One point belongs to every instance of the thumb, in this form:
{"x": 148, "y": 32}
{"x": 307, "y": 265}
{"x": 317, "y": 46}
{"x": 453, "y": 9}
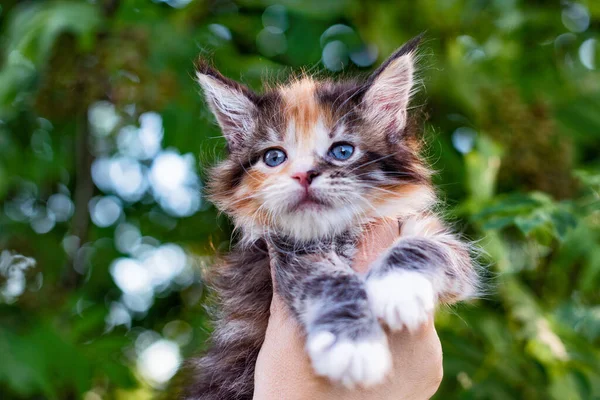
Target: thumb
{"x": 278, "y": 308}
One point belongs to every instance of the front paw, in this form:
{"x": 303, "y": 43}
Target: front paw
{"x": 402, "y": 299}
{"x": 352, "y": 362}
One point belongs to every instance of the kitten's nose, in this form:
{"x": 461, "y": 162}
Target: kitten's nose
{"x": 306, "y": 178}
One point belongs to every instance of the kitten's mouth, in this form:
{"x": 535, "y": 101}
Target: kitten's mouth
{"x": 309, "y": 201}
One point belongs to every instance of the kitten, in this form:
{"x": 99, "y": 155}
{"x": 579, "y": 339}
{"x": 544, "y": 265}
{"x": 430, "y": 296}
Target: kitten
{"x": 309, "y": 165}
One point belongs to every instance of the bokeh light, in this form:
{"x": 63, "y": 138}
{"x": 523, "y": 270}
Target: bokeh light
{"x": 365, "y": 55}
{"x": 220, "y": 31}
{"x": 13, "y": 268}
{"x": 127, "y": 178}
{"x": 103, "y": 118}
{"x": 275, "y": 17}
{"x": 144, "y": 142}
{"x": 105, "y": 210}
{"x": 131, "y": 276}
{"x": 158, "y": 362}
{"x": 127, "y": 238}
{"x": 43, "y": 221}
{"x": 335, "y": 55}
{"x": 178, "y": 331}
{"x": 588, "y": 53}
{"x": 576, "y": 17}
{"x": 271, "y": 41}
{"x": 463, "y": 139}
{"x": 175, "y": 184}
{"x": 61, "y": 207}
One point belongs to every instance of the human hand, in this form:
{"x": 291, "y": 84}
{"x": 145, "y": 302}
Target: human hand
{"x": 284, "y": 371}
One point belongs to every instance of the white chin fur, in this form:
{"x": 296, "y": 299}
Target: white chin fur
{"x": 312, "y": 224}
{"x": 306, "y": 225}
{"x": 402, "y": 299}
{"x": 352, "y": 363}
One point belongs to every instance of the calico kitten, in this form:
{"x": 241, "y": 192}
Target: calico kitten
{"x": 309, "y": 165}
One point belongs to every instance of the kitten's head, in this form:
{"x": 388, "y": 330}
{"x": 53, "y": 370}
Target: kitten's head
{"x": 311, "y": 158}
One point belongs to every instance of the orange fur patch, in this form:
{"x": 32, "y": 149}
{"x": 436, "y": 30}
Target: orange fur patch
{"x": 246, "y": 204}
{"x": 302, "y": 107}
{"x": 387, "y": 193}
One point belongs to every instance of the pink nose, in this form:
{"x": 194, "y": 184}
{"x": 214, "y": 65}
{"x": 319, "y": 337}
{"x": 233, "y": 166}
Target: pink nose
{"x": 306, "y": 178}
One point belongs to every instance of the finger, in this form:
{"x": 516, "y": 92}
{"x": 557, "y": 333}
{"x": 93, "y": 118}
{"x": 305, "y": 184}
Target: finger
{"x": 278, "y": 308}
{"x": 377, "y": 238}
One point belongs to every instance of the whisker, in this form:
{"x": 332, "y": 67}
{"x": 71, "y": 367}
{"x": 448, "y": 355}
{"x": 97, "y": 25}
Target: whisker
{"x": 371, "y": 162}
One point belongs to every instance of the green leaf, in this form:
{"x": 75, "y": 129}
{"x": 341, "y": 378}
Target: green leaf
{"x": 513, "y": 205}
{"x": 527, "y": 224}
{"x": 563, "y": 221}
{"x": 498, "y": 223}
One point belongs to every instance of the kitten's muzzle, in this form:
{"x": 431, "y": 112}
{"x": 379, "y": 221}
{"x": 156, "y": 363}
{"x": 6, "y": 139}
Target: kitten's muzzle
{"x": 306, "y": 178}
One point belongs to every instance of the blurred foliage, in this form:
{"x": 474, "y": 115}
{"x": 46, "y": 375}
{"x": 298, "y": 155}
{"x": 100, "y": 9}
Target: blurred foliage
{"x": 104, "y": 140}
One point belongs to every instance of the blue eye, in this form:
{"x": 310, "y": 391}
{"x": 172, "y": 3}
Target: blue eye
{"x": 274, "y": 157}
{"x": 341, "y": 151}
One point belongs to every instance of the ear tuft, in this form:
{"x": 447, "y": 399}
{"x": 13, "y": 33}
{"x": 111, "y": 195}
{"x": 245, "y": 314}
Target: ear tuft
{"x": 204, "y": 66}
{"x": 388, "y": 90}
{"x": 232, "y": 103}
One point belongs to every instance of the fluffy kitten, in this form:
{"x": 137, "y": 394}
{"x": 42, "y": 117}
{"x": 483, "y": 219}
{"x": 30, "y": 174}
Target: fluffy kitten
{"x": 309, "y": 165}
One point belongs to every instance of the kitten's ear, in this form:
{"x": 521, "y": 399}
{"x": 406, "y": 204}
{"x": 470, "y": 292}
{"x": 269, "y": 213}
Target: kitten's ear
{"x": 232, "y": 103}
{"x": 388, "y": 90}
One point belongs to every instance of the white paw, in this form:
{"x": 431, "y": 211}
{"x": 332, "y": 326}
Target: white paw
{"x": 363, "y": 362}
{"x": 402, "y": 299}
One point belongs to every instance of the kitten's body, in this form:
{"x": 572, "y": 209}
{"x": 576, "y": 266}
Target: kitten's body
{"x": 303, "y": 217}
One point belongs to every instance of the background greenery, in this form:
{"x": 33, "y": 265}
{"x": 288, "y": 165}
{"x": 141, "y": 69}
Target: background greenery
{"x": 104, "y": 139}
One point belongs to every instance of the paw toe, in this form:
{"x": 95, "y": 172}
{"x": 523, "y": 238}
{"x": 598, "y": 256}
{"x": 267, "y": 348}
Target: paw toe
{"x": 350, "y": 362}
{"x": 402, "y": 299}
